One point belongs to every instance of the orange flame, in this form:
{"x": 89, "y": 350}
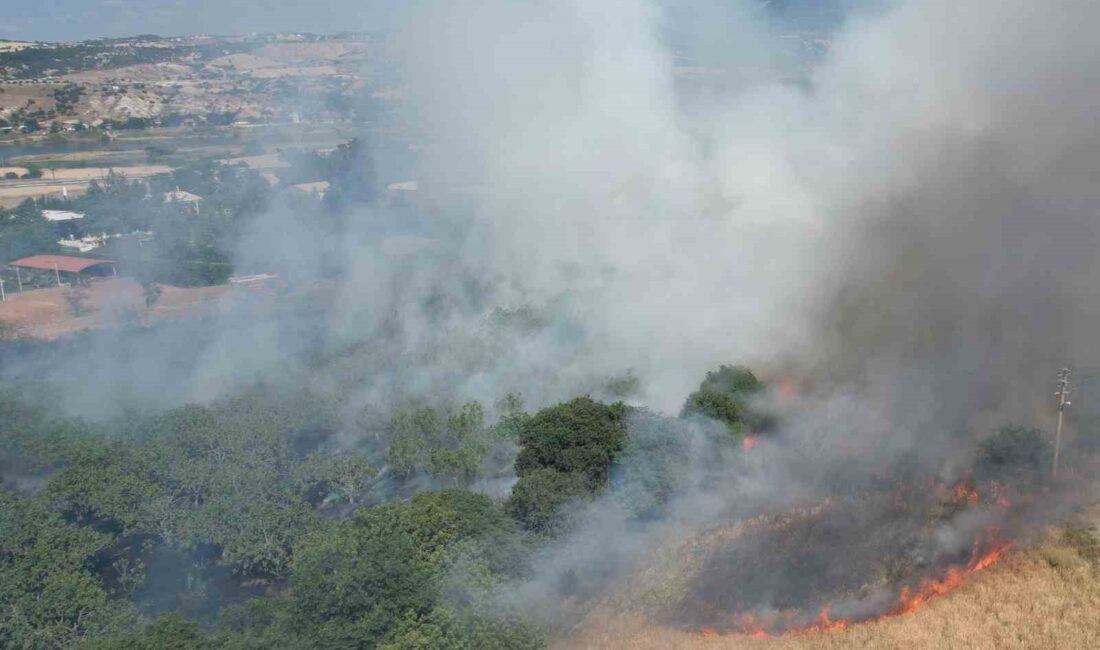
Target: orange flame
{"x": 909, "y": 600}
{"x": 963, "y": 492}
{"x": 787, "y": 389}
{"x": 748, "y": 442}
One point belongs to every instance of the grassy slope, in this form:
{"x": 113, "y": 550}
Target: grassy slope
{"x": 1043, "y": 598}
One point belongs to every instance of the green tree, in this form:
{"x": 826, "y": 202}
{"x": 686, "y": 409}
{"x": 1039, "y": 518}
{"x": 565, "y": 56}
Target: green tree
{"x": 445, "y": 629}
{"x": 450, "y": 446}
{"x": 582, "y": 436}
{"x": 151, "y": 291}
{"x": 566, "y": 454}
{"x": 169, "y": 632}
{"x": 48, "y": 596}
{"x": 347, "y": 474}
{"x": 537, "y": 499}
{"x": 24, "y": 231}
{"x": 365, "y": 578}
{"x": 1013, "y": 453}
{"x": 724, "y": 395}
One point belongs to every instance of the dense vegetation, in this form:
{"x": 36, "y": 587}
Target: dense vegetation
{"x": 726, "y": 395}
{"x": 272, "y": 519}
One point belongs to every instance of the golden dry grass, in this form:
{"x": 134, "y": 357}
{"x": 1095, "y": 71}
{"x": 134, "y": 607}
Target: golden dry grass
{"x": 1047, "y": 597}
{"x": 46, "y": 314}
{"x": 74, "y": 180}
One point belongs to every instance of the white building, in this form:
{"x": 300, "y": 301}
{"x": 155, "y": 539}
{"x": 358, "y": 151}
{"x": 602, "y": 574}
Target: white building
{"x": 61, "y": 215}
{"x": 84, "y": 244}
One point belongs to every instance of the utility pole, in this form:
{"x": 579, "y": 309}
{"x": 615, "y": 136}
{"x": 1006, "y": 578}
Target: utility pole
{"x": 1062, "y": 395}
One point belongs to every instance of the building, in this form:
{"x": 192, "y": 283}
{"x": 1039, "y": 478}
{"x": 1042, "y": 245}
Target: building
{"x": 61, "y": 215}
{"x": 84, "y": 244}
{"x": 183, "y": 197}
{"x": 82, "y": 267}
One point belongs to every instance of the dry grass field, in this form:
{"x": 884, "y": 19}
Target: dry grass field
{"x": 14, "y": 46}
{"x": 1048, "y": 597}
{"x": 47, "y": 314}
{"x": 13, "y": 196}
{"x": 92, "y": 173}
{"x": 74, "y": 180}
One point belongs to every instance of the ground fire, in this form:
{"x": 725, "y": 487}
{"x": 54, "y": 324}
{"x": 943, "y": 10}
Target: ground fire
{"x": 849, "y": 560}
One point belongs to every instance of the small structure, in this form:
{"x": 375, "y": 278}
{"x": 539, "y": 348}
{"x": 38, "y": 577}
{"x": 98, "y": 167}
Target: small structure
{"x": 61, "y": 215}
{"x": 320, "y": 187}
{"x": 403, "y": 186}
{"x": 254, "y": 282}
{"x": 79, "y": 245}
{"x": 84, "y": 244}
{"x": 181, "y": 196}
{"x": 85, "y": 267}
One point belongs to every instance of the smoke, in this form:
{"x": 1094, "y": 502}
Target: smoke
{"x": 898, "y": 205}
{"x": 905, "y": 217}
{"x": 913, "y": 204}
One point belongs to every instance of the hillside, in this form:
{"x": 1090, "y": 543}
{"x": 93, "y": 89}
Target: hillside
{"x": 151, "y": 81}
{"x": 1041, "y": 597}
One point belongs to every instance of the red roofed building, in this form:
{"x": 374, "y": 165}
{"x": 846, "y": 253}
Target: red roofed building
{"x": 85, "y": 266}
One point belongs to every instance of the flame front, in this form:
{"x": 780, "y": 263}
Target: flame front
{"x": 908, "y": 600}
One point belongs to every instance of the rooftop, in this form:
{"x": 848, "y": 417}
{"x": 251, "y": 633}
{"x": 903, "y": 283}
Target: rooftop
{"x": 61, "y": 215}
{"x": 59, "y": 262}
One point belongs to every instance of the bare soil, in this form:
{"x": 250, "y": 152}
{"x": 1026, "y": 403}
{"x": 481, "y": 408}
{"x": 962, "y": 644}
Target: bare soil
{"x": 48, "y": 314}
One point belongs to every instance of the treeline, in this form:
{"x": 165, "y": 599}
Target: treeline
{"x": 267, "y": 520}
{"x": 275, "y": 519}
{"x": 56, "y": 60}
{"x": 349, "y": 170}
{"x": 216, "y": 118}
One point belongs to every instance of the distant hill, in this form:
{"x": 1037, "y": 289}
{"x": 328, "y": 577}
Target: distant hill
{"x": 149, "y": 80}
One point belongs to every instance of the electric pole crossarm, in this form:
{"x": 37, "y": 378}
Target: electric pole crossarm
{"x": 1063, "y": 402}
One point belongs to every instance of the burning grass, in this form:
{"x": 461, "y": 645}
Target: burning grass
{"x": 920, "y": 566}
{"x": 845, "y": 561}
{"x": 1045, "y": 597}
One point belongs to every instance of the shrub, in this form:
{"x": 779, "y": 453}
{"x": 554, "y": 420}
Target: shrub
{"x": 724, "y": 396}
{"x": 538, "y": 497}
{"x": 1013, "y": 453}
{"x": 582, "y": 436}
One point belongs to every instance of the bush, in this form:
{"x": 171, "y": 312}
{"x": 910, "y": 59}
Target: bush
{"x": 724, "y": 395}
{"x": 537, "y": 499}
{"x": 354, "y": 584}
{"x": 1013, "y": 453}
{"x": 582, "y": 436}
